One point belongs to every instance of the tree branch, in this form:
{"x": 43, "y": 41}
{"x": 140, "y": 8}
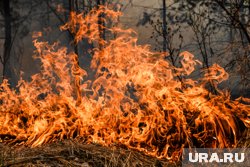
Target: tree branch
{"x": 242, "y": 27}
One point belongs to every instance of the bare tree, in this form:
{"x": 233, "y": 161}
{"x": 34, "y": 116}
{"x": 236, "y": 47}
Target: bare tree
{"x": 221, "y": 33}
{"x": 5, "y": 59}
{"x": 16, "y": 27}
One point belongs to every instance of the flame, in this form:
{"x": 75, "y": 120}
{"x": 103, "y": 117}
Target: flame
{"x": 135, "y": 99}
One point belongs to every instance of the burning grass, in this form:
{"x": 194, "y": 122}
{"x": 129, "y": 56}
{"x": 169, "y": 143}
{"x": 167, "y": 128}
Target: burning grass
{"x": 135, "y": 100}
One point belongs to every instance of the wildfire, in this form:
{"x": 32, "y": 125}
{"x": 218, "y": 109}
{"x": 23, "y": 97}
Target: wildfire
{"x": 135, "y": 99}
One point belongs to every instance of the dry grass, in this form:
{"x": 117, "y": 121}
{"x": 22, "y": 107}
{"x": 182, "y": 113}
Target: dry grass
{"x": 71, "y": 153}
{"x": 244, "y": 142}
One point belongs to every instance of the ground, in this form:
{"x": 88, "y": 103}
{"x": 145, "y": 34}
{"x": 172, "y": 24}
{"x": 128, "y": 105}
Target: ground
{"x": 72, "y": 153}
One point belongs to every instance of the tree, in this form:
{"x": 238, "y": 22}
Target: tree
{"x": 16, "y": 26}
{"x": 5, "y": 59}
{"x": 220, "y": 31}
{"x": 164, "y": 25}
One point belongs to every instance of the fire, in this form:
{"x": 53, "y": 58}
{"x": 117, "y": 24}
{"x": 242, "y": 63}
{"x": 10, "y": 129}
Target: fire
{"x": 135, "y": 99}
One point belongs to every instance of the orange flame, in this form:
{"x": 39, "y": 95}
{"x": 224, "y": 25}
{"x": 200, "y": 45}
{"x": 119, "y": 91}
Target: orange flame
{"x": 135, "y": 99}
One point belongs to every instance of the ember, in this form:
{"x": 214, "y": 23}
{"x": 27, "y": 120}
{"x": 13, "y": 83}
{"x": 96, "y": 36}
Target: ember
{"x": 135, "y": 99}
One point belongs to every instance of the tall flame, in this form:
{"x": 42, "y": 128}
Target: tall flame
{"x": 135, "y": 99}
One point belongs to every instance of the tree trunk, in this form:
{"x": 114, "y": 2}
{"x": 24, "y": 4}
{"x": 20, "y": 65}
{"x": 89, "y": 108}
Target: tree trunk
{"x": 72, "y": 9}
{"x": 7, "y": 66}
{"x": 164, "y": 26}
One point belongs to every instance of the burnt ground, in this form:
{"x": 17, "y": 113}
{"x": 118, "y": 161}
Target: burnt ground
{"x": 72, "y": 153}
